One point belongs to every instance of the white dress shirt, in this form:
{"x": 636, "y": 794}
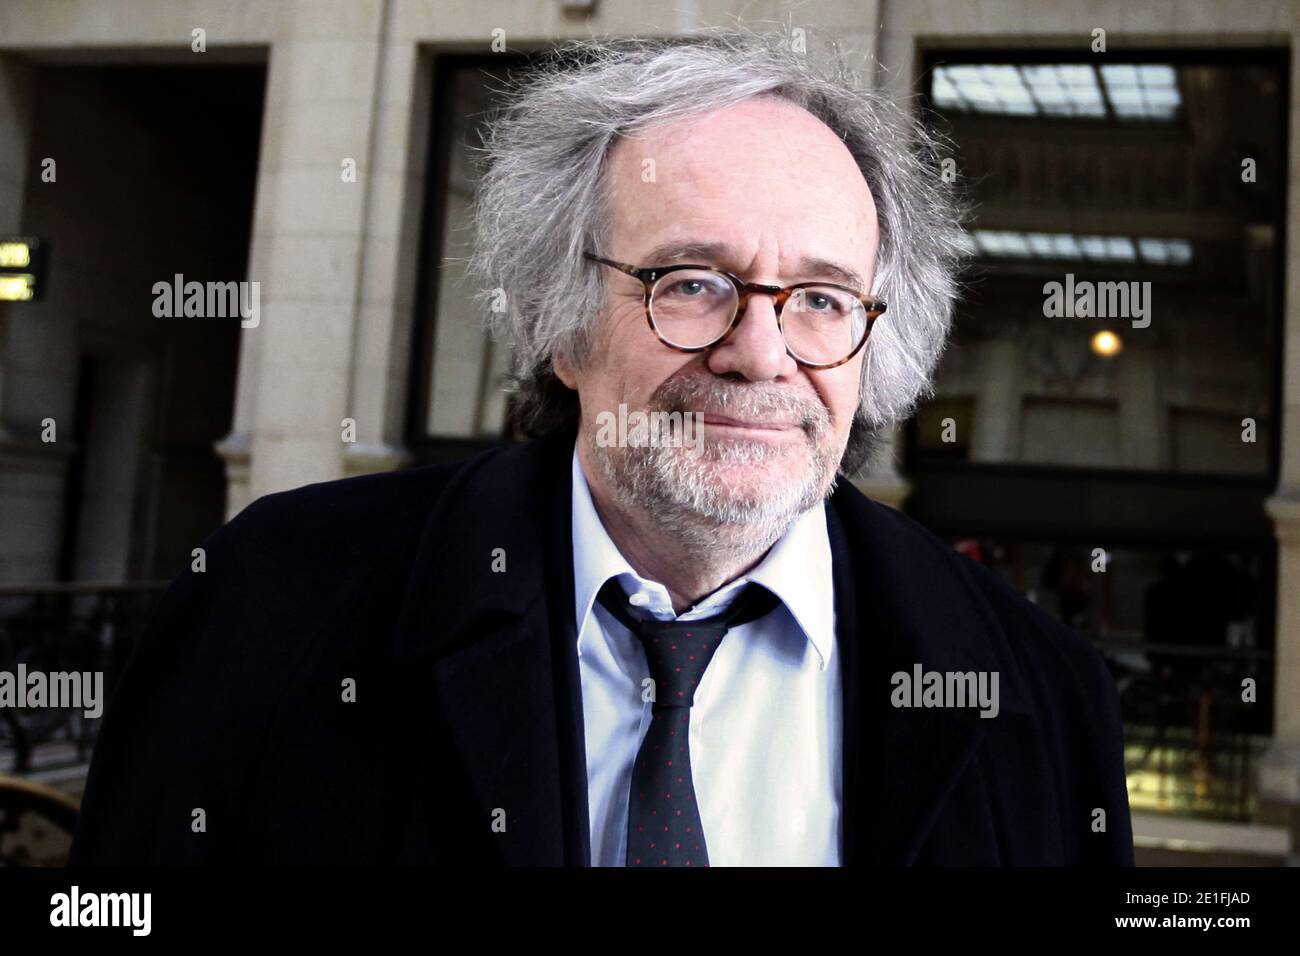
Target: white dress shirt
{"x": 765, "y": 730}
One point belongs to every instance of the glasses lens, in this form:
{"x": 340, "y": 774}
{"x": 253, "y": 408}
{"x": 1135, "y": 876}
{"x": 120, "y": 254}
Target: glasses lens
{"x": 823, "y": 324}
{"x": 692, "y": 307}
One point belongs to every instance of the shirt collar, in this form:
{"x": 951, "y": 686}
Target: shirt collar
{"x": 797, "y": 570}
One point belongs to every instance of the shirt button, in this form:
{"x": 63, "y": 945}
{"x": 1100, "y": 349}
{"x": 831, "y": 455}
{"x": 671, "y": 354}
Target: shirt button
{"x": 640, "y": 599}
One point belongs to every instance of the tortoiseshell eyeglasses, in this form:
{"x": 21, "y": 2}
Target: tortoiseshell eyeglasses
{"x": 692, "y": 308}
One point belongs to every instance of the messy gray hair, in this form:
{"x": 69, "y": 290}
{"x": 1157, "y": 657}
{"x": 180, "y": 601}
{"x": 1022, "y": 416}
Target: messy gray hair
{"x": 541, "y": 202}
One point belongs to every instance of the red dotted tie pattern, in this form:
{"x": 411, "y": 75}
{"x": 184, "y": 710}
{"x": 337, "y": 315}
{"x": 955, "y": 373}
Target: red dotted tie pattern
{"x": 663, "y": 826}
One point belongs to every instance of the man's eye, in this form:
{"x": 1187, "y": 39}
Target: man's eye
{"x": 818, "y": 303}
{"x": 692, "y": 288}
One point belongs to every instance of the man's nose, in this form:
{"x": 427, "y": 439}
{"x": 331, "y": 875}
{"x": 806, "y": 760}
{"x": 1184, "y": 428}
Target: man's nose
{"x": 755, "y": 349}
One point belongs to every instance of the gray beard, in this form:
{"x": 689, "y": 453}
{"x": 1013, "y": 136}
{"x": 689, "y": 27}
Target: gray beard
{"x": 680, "y": 495}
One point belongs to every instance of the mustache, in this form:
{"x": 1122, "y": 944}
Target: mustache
{"x": 753, "y": 401}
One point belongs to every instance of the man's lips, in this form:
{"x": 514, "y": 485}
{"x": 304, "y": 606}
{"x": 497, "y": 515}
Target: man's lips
{"x": 727, "y": 422}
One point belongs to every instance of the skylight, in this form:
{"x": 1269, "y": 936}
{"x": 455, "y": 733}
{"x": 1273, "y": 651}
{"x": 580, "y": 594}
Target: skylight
{"x": 1142, "y": 92}
{"x": 1006, "y": 244}
{"x": 1124, "y": 91}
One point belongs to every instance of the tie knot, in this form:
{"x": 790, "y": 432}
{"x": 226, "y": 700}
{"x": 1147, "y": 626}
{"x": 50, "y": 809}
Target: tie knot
{"x": 677, "y": 652}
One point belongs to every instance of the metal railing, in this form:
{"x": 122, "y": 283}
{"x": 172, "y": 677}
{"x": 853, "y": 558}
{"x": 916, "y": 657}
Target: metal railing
{"x": 66, "y": 627}
{"x": 1195, "y": 718}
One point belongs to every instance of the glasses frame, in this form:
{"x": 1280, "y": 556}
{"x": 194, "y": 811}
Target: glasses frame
{"x": 649, "y": 275}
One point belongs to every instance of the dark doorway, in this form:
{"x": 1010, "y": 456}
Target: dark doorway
{"x": 155, "y": 175}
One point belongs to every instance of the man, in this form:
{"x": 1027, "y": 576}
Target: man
{"x": 648, "y": 645}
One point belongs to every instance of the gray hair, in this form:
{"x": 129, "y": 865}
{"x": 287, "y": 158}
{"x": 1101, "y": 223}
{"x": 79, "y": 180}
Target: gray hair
{"x": 541, "y": 201}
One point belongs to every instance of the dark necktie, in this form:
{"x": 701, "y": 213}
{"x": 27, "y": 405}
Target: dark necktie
{"x": 663, "y": 821}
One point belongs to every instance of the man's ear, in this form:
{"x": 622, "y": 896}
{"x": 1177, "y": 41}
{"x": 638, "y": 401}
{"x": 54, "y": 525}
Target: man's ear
{"x": 565, "y": 371}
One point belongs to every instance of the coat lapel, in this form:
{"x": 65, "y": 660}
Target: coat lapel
{"x": 903, "y": 599}
{"x": 485, "y": 612}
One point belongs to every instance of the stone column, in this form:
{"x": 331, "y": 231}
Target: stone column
{"x": 1279, "y": 768}
{"x": 1279, "y": 771}
{"x": 317, "y": 176}
{"x": 880, "y": 478}
{"x": 390, "y": 259}
{"x": 1141, "y": 423}
{"x": 996, "y": 423}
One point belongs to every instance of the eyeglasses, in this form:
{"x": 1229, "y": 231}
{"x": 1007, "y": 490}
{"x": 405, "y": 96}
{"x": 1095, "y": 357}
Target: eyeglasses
{"x": 692, "y": 308}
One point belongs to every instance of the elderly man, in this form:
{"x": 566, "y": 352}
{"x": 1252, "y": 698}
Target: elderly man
{"x": 683, "y": 643}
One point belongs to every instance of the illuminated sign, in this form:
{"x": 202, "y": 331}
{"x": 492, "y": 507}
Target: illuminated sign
{"x": 17, "y": 288}
{"x": 15, "y": 255}
{"x": 22, "y": 268}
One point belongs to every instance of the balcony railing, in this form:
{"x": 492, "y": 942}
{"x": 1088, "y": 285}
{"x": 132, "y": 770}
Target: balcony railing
{"x": 66, "y": 627}
{"x": 1193, "y": 726}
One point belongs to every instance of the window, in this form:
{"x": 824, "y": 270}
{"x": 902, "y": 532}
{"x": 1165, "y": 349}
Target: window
{"x": 1103, "y": 428}
{"x": 457, "y": 404}
{"x": 1126, "y": 92}
{"x": 1126, "y": 249}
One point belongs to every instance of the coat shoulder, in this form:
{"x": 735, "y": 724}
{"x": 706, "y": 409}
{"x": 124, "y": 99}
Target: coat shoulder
{"x": 356, "y": 510}
{"x": 324, "y": 558}
{"x": 1033, "y": 630}
{"x": 349, "y": 517}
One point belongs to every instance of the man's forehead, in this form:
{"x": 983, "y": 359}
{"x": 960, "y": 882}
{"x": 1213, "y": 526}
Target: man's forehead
{"x": 760, "y": 165}
{"x": 756, "y": 140}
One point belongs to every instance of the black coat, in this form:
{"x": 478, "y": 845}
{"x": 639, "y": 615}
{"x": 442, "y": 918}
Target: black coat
{"x": 468, "y": 700}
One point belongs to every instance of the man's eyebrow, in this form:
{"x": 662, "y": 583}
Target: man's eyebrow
{"x": 841, "y": 274}
{"x": 809, "y": 267}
